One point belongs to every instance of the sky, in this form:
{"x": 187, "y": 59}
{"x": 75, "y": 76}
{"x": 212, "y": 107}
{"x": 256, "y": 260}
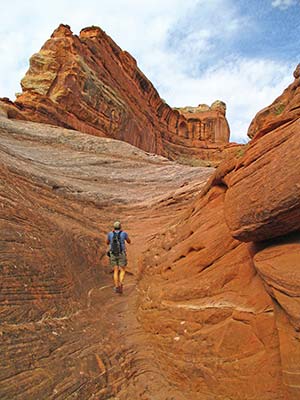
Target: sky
{"x": 242, "y": 52}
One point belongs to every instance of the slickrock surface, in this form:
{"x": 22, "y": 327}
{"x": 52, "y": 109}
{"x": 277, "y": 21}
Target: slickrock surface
{"x": 64, "y": 333}
{"x": 211, "y": 303}
{"x": 278, "y": 264}
{"x": 88, "y": 83}
{"x": 225, "y": 313}
{"x": 206, "y": 308}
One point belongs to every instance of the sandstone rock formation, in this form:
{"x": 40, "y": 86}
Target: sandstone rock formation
{"x": 212, "y": 297}
{"x": 285, "y": 109}
{"x": 60, "y": 327}
{"x": 89, "y": 84}
{"x": 207, "y": 123}
{"x": 278, "y": 265}
{"x": 205, "y": 305}
{"x": 224, "y": 313}
{"x": 263, "y": 196}
{"x": 211, "y": 308}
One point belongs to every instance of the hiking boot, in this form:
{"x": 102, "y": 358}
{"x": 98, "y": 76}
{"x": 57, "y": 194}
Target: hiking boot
{"x": 116, "y": 289}
{"x": 120, "y": 288}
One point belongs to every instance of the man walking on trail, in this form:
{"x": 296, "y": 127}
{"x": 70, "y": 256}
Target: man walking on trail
{"x": 118, "y": 260}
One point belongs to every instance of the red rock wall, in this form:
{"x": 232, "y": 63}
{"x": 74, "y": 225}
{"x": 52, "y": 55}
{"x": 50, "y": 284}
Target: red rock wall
{"x": 212, "y": 321}
{"x": 89, "y": 84}
{"x": 220, "y": 289}
{"x": 263, "y": 196}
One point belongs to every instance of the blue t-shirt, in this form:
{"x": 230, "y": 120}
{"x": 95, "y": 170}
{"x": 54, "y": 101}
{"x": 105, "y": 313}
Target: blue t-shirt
{"x": 123, "y": 237}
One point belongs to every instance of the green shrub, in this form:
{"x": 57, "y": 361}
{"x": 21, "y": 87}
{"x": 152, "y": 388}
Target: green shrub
{"x": 279, "y": 109}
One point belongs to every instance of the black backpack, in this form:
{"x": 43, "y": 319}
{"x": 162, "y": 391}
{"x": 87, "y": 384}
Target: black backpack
{"x": 115, "y": 246}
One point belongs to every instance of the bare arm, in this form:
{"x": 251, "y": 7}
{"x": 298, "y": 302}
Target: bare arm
{"x": 128, "y": 239}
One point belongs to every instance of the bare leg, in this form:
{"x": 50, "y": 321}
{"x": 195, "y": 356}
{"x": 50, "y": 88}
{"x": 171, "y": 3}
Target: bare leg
{"x": 122, "y": 275}
{"x": 116, "y": 276}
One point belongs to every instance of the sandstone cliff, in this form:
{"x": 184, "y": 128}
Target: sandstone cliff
{"x": 222, "y": 298}
{"x": 89, "y": 84}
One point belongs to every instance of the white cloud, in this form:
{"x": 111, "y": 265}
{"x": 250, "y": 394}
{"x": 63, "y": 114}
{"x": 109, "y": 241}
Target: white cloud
{"x": 245, "y": 85}
{"x": 177, "y": 45}
{"x": 25, "y": 26}
{"x": 283, "y": 4}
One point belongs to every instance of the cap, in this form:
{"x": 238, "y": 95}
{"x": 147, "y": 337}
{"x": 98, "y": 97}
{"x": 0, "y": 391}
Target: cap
{"x": 117, "y": 225}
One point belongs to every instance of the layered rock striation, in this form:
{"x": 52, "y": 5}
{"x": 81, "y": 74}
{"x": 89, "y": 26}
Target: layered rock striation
{"x": 90, "y": 84}
{"x": 212, "y": 296}
{"x": 61, "y": 323}
{"x": 220, "y": 293}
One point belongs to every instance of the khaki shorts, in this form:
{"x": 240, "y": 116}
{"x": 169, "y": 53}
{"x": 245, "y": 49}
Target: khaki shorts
{"x": 120, "y": 261}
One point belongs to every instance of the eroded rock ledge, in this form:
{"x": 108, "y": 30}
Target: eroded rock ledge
{"x": 222, "y": 298}
{"x": 90, "y": 84}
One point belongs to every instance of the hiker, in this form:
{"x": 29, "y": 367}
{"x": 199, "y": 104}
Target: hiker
{"x": 117, "y": 253}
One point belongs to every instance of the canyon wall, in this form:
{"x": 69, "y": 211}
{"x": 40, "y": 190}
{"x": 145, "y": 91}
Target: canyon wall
{"x": 220, "y": 284}
{"x": 211, "y": 299}
{"x": 88, "y": 83}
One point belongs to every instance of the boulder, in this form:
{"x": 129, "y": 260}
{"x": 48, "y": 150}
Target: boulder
{"x": 263, "y": 196}
{"x": 278, "y": 265}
